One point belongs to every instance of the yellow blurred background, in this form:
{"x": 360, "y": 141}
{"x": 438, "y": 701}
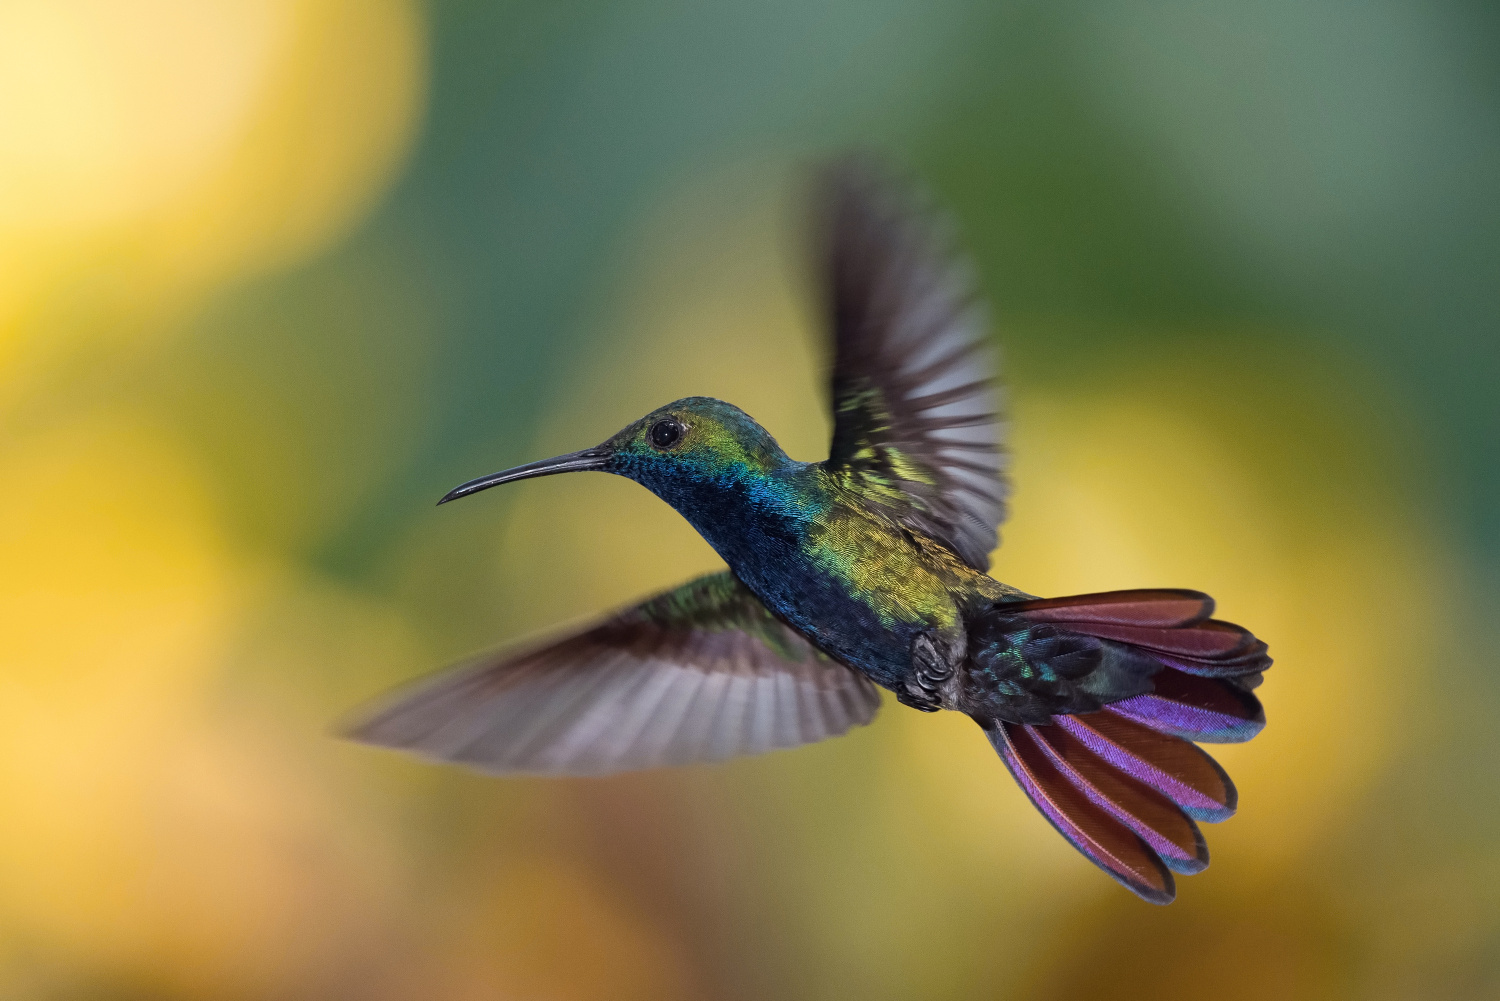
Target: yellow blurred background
{"x": 274, "y": 274}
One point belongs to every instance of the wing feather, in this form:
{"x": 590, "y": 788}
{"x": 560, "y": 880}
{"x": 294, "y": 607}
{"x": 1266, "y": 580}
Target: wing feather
{"x": 701, "y": 673}
{"x": 916, "y": 406}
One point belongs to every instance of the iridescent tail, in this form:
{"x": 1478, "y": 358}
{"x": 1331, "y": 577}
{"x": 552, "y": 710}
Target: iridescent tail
{"x": 1126, "y": 784}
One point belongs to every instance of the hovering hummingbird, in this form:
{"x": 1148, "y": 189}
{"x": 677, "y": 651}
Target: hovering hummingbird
{"x": 869, "y": 569}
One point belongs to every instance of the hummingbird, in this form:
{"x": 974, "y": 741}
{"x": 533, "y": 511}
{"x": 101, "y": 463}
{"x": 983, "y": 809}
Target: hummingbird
{"x": 864, "y": 571}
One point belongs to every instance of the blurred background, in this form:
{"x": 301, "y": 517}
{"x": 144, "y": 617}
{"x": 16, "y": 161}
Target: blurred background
{"x": 275, "y": 274}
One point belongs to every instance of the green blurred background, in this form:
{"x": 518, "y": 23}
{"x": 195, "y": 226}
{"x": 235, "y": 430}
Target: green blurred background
{"x": 274, "y": 274}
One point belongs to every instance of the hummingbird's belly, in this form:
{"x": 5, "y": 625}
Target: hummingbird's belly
{"x": 861, "y": 599}
{"x": 838, "y": 623}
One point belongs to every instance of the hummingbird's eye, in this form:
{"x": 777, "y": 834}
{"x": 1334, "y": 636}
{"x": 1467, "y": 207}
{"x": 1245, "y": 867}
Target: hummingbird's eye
{"x": 665, "y": 433}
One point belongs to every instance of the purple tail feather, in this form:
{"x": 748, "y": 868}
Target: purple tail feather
{"x": 1126, "y": 785}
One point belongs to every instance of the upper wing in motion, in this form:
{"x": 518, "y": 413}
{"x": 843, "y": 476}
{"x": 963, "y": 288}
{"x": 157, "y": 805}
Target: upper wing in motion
{"x": 700, "y": 673}
{"x": 916, "y": 423}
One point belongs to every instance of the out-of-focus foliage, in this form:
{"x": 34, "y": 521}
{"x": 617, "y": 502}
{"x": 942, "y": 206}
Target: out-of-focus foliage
{"x": 274, "y": 274}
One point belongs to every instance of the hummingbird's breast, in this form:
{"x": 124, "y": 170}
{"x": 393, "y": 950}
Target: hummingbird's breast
{"x": 853, "y": 581}
{"x": 861, "y": 588}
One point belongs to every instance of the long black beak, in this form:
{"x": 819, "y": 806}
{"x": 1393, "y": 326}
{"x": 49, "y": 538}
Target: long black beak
{"x": 589, "y": 458}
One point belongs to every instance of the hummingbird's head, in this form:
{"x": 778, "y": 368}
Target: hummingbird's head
{"x": 676, "y": 451}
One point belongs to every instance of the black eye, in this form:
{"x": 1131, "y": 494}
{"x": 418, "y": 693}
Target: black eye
{"x": 665, "y": 433}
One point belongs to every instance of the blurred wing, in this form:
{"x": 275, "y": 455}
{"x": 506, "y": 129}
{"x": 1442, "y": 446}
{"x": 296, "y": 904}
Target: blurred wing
{"x": 697, "y": 674}
{"x": 916, "y": 424}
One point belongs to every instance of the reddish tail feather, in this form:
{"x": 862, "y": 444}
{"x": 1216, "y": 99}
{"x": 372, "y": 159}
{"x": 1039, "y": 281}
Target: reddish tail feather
{"x": 1125, "y": 785}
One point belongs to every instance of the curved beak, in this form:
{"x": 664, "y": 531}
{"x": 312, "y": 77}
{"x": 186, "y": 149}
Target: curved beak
{"x": 589, "y": 458}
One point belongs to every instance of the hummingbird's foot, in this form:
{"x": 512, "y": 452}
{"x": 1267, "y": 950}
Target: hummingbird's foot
{"x": 907, "y": 699}
{"x": 931, "y": 674}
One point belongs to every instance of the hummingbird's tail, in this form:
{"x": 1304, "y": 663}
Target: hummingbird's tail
{"x": 1125, "y": 784}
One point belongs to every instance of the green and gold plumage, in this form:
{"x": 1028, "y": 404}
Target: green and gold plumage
{"x": 866, "y": 569}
